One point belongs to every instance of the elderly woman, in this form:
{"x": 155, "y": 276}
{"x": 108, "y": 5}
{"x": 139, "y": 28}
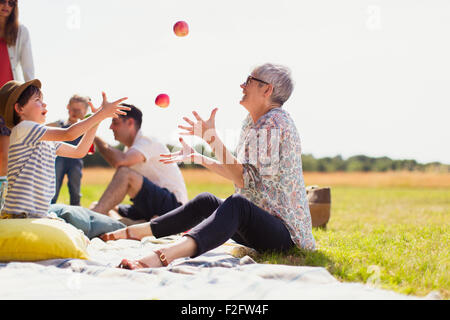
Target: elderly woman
{"x": 269, "y": 210}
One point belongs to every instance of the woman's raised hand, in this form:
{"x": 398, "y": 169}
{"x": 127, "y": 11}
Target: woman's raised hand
{"x": 201, "y": 128}
{"x": 187, "y": 153}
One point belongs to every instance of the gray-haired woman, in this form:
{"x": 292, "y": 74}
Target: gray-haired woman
{"x": 269, "y": 210}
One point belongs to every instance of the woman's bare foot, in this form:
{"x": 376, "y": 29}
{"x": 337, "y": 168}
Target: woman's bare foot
{"x": 134, "y": 232}
{"x": 150, "y": 261}
{"x": 131, "y": 264}
{"x": 185, "y": 247}
{"x": 115, "y": 235}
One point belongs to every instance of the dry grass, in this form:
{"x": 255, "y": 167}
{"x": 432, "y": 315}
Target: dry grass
{"x": 380, "y": 179}
{"x": 96, "y": 176}
{"x": 104, "y": 175}
{"x": 350, "y": 179}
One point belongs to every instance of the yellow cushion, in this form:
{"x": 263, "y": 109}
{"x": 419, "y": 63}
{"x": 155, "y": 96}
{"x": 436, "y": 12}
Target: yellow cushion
{"x": 40, "y": 239}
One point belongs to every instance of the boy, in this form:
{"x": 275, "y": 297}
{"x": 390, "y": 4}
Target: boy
{"x": 77, "y": 109}
{"x": 34, "y": 147}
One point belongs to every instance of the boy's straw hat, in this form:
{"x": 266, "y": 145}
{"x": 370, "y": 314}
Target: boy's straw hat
{"x": 9, "y": 94}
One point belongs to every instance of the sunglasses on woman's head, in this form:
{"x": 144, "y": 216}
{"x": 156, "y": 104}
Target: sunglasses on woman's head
{"x": 249, "y": 78}
{"x": 11, "y": 3}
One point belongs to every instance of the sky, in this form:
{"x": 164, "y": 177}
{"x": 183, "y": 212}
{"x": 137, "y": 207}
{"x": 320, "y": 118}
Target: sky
{"x": 371, "y": 77}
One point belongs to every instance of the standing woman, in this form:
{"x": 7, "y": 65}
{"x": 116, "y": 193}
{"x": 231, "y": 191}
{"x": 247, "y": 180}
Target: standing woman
{"x": 15, "y": 51}
{"x": 269, "y": 210}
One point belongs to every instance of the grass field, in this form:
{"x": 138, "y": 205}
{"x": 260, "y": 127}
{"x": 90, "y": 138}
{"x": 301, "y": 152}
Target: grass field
{"x": 391, "y": 230}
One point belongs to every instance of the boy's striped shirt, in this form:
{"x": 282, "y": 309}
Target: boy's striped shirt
{"x": 31, "y": 171}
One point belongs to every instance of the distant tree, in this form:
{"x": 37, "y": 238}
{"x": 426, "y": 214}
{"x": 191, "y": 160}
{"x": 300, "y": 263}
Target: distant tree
{"x": 355, "y": 165}
{"x": 309, "y": 163}
{"x": 359, "y": 163}
{"x": 382, "y": 164}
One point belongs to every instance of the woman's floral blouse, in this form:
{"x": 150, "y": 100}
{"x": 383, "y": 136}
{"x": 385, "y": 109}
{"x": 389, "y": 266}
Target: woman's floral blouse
{"x": 273, "y": 178}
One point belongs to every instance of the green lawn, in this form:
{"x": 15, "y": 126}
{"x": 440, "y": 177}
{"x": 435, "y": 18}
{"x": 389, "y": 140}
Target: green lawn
{"x": 391, "y": 237}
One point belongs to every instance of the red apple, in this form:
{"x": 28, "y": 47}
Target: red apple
{"x": 181, "y": 29}
{"x": 162, "y": 100}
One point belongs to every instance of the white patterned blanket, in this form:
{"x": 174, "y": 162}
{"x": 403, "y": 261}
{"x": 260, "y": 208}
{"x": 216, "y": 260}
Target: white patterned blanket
{"x": 219, "y": 274}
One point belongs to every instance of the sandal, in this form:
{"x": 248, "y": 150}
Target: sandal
{"x": 130, "y": 237}
{"x": 107, "y": 237}
{"x": 162, "y": 257}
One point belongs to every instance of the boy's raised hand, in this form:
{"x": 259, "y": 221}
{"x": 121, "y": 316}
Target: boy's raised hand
{"x": 113, "y": 109}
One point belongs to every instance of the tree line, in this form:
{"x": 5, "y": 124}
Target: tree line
{"x": 362, "y": 163}
{"x": 358, "y": 163}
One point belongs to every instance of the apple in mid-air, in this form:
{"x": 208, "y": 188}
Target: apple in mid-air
{"x": 181, "y": 29}
{"x": 162, "y": 100}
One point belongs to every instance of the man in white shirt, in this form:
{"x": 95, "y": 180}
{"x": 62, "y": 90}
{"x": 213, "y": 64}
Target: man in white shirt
{"x": 153, "y": 187}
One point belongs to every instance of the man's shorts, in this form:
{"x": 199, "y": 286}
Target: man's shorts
{"x": 151, "y": 200}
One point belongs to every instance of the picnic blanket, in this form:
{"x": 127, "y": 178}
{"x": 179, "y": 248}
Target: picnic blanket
{"x": 226, "y": 273}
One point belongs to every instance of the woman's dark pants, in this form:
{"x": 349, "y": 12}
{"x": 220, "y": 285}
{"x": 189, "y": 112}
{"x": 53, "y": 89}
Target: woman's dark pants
{"x": 213, "y": 221}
